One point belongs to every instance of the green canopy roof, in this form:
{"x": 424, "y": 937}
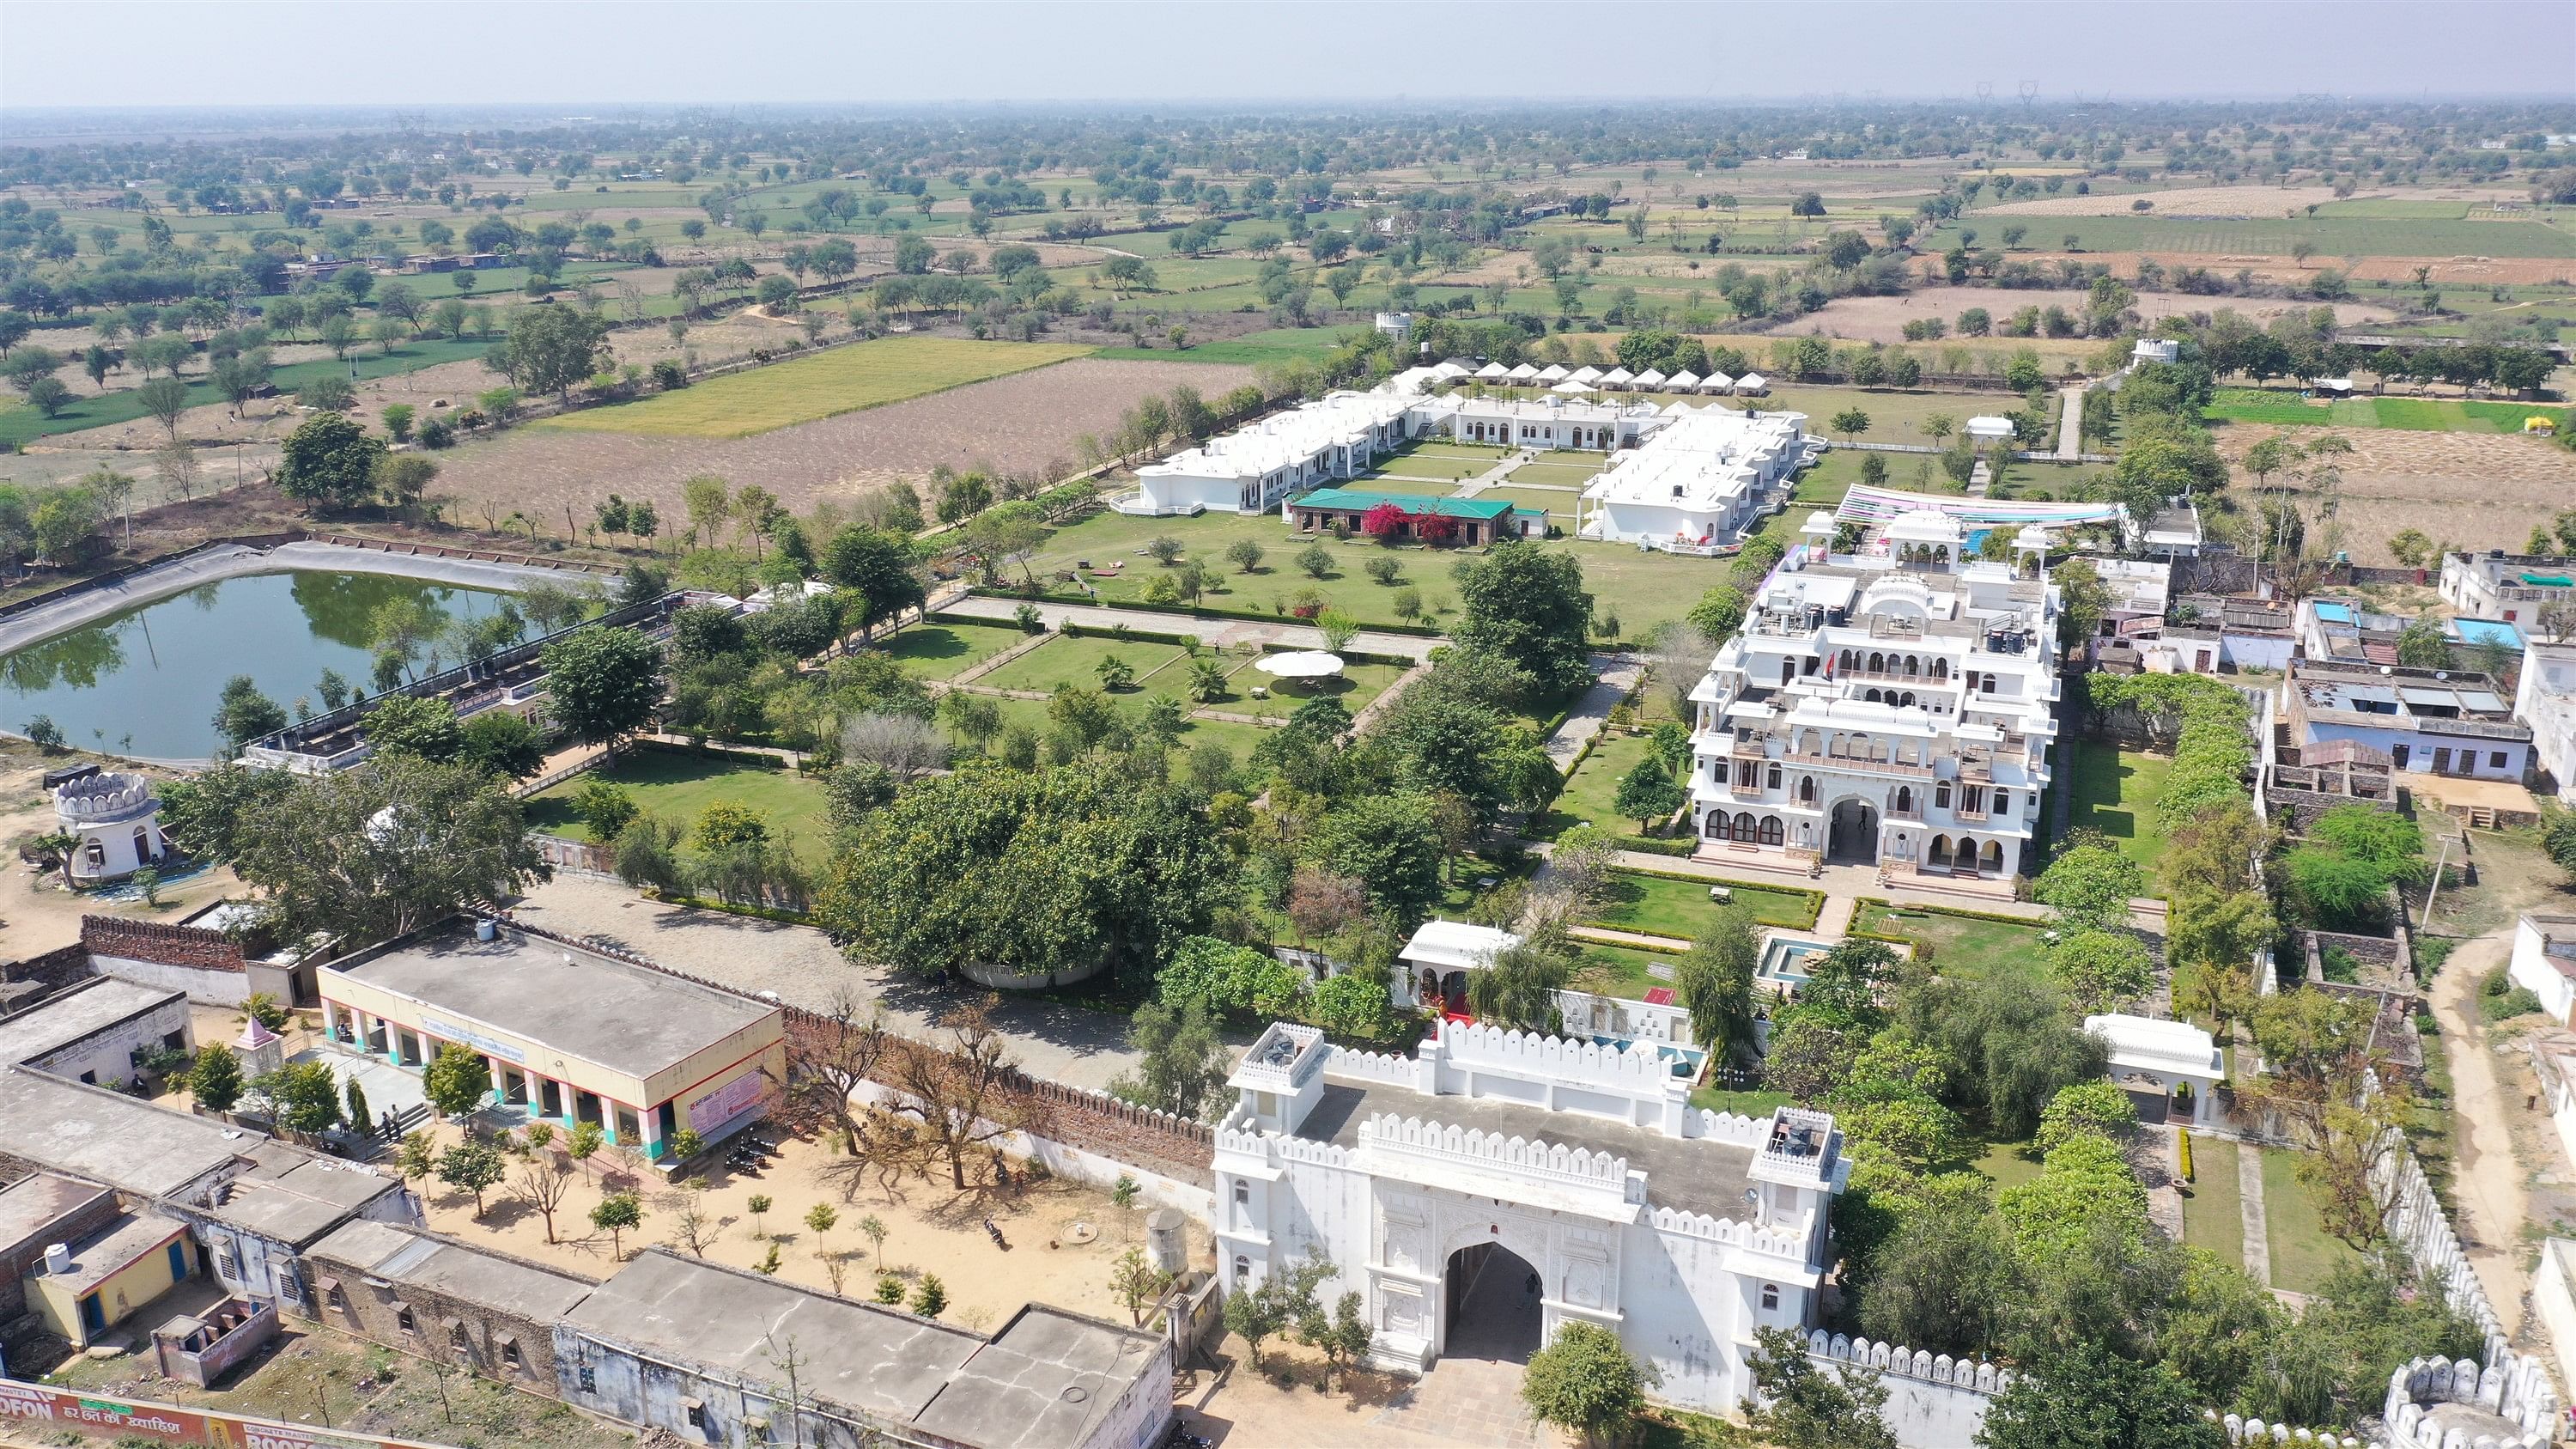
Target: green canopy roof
{"x": 1353, "y": 500}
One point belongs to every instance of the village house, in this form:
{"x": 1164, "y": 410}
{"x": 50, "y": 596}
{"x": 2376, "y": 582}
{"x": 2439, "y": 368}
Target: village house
{"x": 1496, "y": 1186}
{"x": 2544, "y": 700}
{"x": 2514, "y": 587}
{"x": 1890, "y": 708}
{"x": 569, "y": 1034}
{"x": 2427, "y": 721}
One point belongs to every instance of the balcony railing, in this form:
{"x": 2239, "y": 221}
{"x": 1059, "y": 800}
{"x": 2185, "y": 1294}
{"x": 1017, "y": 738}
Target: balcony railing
{"x": 1968, "y": 812}
{"x": 1907, "y": 812}
{"x": 1859, "y": 762}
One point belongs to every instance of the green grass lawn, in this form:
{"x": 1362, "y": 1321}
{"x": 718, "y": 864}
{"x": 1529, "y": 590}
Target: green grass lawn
{"x": 1742, "y": 1104}
{"x": 1643, "y": 589}
{"x": 1559, "y": 507}
{"x": 1421, "y": 463}
{"x": 1361, "y": 681}
{"x": 1666, "y": 906}
{"x": 1564, "y": 475}
{"x": 1621, "y": 971}
{"x": 2303, "y": 1255}
{"x": 844, "y": 379}
{"x": 679, "y": 786}
{"x": 2407, "y": 414}
{"x": 1063, "y": 660}
{"x": 1409, "y": 487}
{"x": 1590, "y": 792}
{"x": 2115, "y": 793}
{"x": 2007, "y": 1164}
{"x": 946, "y": 650}
{"x": 2213, "y": 1216}
{"x": 1961, "y": 945}
{"x": 1238, "y": 739}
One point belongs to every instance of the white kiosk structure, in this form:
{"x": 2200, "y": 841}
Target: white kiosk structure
{"x": 2178, "y": 1058}
{"x": 118, "y": 823}
{"x": 1496, "y": 1185}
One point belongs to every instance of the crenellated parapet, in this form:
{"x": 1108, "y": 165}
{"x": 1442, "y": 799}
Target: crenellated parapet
{"x": 1519, "y": 1156}
{"x": 1779, "y": 1242}
{"x": 1974, "y": 1375}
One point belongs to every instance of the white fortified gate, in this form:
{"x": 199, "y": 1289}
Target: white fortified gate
{"x": 1497, "y": 1185}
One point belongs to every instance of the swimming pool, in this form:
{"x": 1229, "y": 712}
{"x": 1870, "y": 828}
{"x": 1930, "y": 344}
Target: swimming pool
{"x": 1784, "y": 961}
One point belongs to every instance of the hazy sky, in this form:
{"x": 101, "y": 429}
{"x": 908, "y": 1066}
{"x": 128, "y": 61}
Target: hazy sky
{"x": 394, "y": 52}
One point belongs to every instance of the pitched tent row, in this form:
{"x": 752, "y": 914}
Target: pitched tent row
{"x": 1557, "y": 378}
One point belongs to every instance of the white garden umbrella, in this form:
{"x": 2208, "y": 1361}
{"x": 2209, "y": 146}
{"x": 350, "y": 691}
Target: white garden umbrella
{"x": 1300, "y": 664}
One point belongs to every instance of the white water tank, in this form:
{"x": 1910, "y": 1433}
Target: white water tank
{"x": 1167, "y": 1239}
{"x": 58, "y": 1259}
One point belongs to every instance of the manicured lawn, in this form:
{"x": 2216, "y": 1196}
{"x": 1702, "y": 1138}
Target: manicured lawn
{"x": 2115, "y": 793}
{"x": 1414, "y": 487}
{"x": 1566, "y": 475}
{"x": 2008, "y": 1164}
{"x": 844, "y": 379}
{"x": 1643, "y": 589}
{"x": 2213, "y": 1216}
{"x": 1622, "y": 971}
{"x": 1360, "y": 683}
{"x": 1422, "y": 463}
{"x": 946, "y": 650}
{"x": 1590, "y": 792}
{"x": 2303, "y": 1256}
{"x": 1666, "y": 906}
{"x": 1742, "y": 1104}
{"x": 1238, "y": 739}
{"x": 1961, "y": 945}
{"x": 679, "y": 786}
{"x": 1063, "y": 660}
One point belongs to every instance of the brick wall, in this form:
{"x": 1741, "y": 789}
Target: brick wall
{"x": 436, "y": 1318}
{"x": 79, "y": 1223}
{"x": 53, "y": 970}
{"x": 160, "y": 943}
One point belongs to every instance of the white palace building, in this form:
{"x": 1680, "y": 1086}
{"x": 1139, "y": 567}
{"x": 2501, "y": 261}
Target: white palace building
{"x": 1887, "y": 708}
{"x": 1689, "y": 479}
{"x": 1496, "y": 1185}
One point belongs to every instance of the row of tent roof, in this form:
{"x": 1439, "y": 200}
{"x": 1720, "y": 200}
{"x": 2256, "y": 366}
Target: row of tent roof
{"x": 1593, "y": 379}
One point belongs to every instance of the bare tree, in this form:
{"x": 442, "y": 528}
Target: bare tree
{"x": 1677, "y": 658}
{"x": 967, "y": 1094}
{"x": 176, "y": 466}
{"x": 834, "y": 1064}
{"x": 907, "y": 747}
{"x": 693, "y": 1227}
{"x": 541, "y": 1183}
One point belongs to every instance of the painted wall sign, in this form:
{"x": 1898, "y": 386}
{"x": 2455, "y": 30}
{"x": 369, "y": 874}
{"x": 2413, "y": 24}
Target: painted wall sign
{"x": 468, "y": 1036}
{"x": 164, "y": 1423}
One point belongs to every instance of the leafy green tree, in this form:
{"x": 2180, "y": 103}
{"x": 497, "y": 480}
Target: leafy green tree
{"x": 2420, "y": 645}
{"x": 1526, "y": 604}
{"x": 1715, "y": 982}
{"x": 1518, "y": 990}
{"x": 1719, "y": 612}
{"x": 601, "y": 683}
{"x": 2091, "y": 885}
{"x": 1284, "y": 1296}
{"x": 930, "y": 1296}
{"x": 1392, "y": 844}
{"x": 1648, "y": 794}
{"x": 215, "y": 1078}
{"x": 329, "y": 461}
{"x": 406, "y": 725}
{"x": 1219, "y": 977}
{"x": 503, "y": 743}
{"x": 457, "y": 1081}
{"x": 878, "y": 567}
{"x": 1803, "y": 1405}
{"x": 305, "y": 1096}
{"x": 243, "y": 713}
{"x": 1585, "y": 1381}
{"x": 617, "y": 1214}
{"x": 2099, "y": 1108}
{"x": 551, "y": 349}
{"x": 1181, "y": 1063}
{"x": 2101, "y": 970}
{"x": 384, "y": 847}
{"x": 1316, "y": 560}
{"x": 2089, "y": 1397}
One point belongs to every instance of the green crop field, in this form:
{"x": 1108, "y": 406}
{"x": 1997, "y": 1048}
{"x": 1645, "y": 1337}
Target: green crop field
{"x": 2410, "y": 414}
{"x": 1249, "y": 350}
{"x": 845, "y": 379}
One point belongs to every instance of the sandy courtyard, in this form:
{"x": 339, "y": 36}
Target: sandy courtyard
{"x": 1016, "y": 423}
{"x": 930, "y": 1231}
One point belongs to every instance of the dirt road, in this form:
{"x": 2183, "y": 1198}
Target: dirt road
{"x": 2488, "y": 1183}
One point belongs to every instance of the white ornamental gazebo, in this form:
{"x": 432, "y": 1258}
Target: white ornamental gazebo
{"x": 2173, "y": 1055}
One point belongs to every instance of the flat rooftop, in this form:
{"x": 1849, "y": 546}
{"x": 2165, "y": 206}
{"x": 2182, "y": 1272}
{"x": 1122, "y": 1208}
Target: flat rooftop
{"x": 486, "y": 1280}
{"x": 1688, "y": 1174}
{"x": 112, "y": 1138}
{"x": 31, "y": 1206}
{"x": 85, "y": 1010}
{"x": 295, "y": 1197}
{"x": 129, "y": 1237}
{"x": 878, "y": 1361}
{"x": 628, "y": 1019}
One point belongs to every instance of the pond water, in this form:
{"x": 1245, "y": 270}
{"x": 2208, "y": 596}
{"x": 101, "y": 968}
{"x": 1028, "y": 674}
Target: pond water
{"x": 144, "y": 682}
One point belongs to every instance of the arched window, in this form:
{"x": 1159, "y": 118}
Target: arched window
{"x": 1714, "y": 827}
{"x": 1940, "y": 856}
{"x": 1774, "y": 776}
{"x": 1869, "y": 695}
{"x": 1941, "y": 794}
{"x": 1913, "y": 666}
{"x": 1242, "y": 1270}
{"x": 1878, "y": 664}
{"x": 1905, "y": 798}
{"x": 1907, "y": 699}
{"x": 1994, "y": 855}
{"x": 1807, "y": 790}
{"x": 1770, "y": 1297}
{"x": 1744, "y": 827}
{"x": 1772, "y": 833}
{"x": 1940, "y": 669}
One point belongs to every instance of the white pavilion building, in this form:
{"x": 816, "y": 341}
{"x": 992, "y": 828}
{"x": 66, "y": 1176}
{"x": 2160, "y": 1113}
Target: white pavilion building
{"x": 1697, "y": 483}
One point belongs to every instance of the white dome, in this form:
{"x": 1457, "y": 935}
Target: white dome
{"x": 2032, "y": 536}
{"x": 1925, "y": 525}
{"x": 1819, "y": 522}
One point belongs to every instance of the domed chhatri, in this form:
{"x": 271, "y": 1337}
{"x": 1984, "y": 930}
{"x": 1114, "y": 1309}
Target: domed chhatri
{"x": 116, "y": 818}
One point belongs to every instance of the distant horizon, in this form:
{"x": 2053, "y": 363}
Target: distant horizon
{"x": 1038, "y": 55}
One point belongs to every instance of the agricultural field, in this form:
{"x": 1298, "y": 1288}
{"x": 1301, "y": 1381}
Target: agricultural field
{"x": 2332, "y": 237}
{"x": 2470, "y": 490}
{"x": 1883, "y": 319}
{"x": 2413, "y": 414}
{"x": 844, "y": 379}
{"x": 1024, "y": 422}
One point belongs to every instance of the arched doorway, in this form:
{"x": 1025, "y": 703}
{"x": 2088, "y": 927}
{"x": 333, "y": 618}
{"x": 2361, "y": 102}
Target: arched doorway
{"x": 1853, "y": 832}
{"x": 1492, "y": 1296}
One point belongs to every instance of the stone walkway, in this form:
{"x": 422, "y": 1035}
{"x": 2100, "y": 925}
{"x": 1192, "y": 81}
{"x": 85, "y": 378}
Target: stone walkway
{"x": 1495, "y": 476}
{"x": 1615, "y": 678}
{"x": 1467, "y": 1401}
{"x": 2249, "y": 1191}
{"x": 2070, "y": 425}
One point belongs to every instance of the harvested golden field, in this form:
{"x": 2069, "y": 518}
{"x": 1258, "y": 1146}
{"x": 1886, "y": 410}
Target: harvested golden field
{"x": 1020, "y": 423}
{"x": 2471, "y": 490}
{"x": 844, "y": 379}
{"x": 2182, "y": 201}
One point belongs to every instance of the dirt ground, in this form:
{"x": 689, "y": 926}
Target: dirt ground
{"x": 932, "y": 1230}
{"x": 2232, "y": 200}
{"x": 37, "y": 914}
{"x": 1883, "y": 319}
{"x": 2472, "y": 490}
{"x": 1016, "y": 423}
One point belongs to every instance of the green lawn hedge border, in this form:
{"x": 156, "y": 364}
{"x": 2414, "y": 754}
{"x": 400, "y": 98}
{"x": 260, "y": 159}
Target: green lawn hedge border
{"x": 1050, "y": 596}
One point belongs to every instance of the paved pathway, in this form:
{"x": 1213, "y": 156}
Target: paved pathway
{"x": 1615, "y": 678}
{"x": 1208, "y": 629}
{"x": 1061, "y": 1043}
{"x": 2487, "y": 1184}
{"x": 2249, "y": 1191}
{"x": 1468, "y": 1401}
{"x": 1498, "y": 474}
{"x": 2070, "y": 426}
{"x": 1610, "y": 937}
